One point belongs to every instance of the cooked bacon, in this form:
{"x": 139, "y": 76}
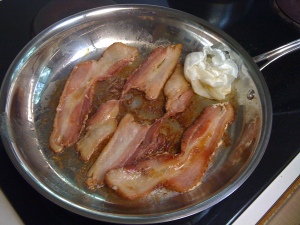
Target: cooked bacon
{"x": 181, "y": 172}
{"x": 201, "y": 140}
{"x": 99, "y": 127}
{"x": 76, "y": 100}
{"x": 117, "y": 152}
{"x": 178, "y": 92}
{"x": 152, "y": 74}
{"x": 151, "y": 141}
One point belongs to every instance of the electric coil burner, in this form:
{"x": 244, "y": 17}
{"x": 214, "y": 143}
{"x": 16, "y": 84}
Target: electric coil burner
{"x": 289, "y": 10}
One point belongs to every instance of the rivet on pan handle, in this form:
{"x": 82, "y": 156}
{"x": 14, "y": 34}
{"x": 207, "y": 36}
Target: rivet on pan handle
{"x": 272, "y": 55}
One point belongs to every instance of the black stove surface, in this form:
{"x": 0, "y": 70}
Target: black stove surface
{"x": 259, "y": 30}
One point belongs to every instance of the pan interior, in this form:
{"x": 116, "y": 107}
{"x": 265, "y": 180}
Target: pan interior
{"x": 35, "y": 82}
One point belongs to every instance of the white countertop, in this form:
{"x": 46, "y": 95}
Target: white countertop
{"x": 270, "y": 197}
{"x": 8, "y": 215}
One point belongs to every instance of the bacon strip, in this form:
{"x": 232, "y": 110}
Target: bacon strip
{"x": 151, "y": 141}
{"x": 117, "y": 152}
{"x": 178, "y": 92}
{"x": 152, "y": 74}
{"x": 181, "y": 172}
{"x": 76, "y": 100}
{"x": 99, "y": 127}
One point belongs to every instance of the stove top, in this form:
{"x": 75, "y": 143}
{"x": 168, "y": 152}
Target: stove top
{"x": 258, "y": 29}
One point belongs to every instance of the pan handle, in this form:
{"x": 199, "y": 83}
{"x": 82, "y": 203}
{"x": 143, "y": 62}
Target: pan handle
{"x": 270, "y": 56}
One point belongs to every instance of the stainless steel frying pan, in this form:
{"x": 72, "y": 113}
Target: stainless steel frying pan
{"x": 32, "y": 86}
